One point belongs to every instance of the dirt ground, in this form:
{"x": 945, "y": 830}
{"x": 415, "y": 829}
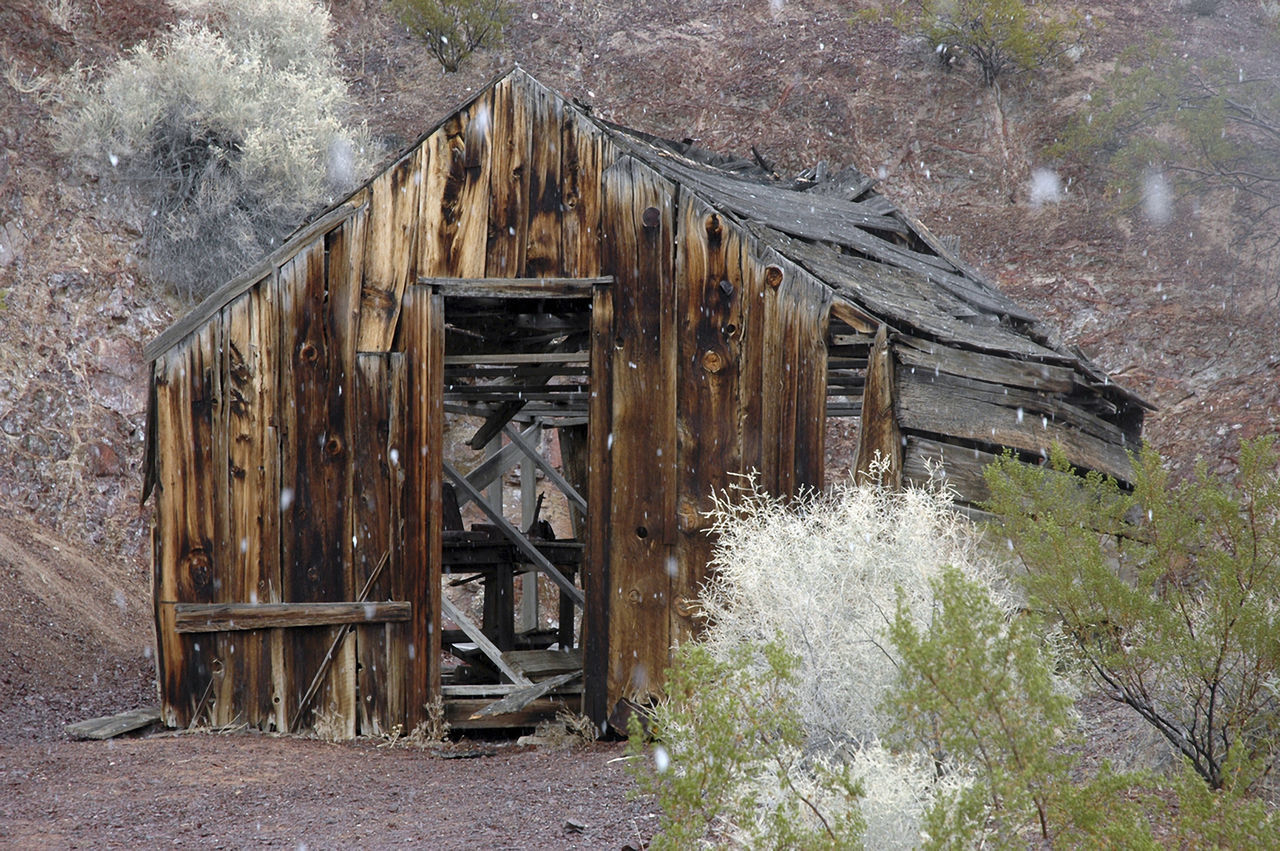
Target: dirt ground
{"x": 236, "y": 791}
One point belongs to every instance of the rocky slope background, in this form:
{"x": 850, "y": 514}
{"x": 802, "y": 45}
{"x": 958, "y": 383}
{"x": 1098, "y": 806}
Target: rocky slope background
{"x": 1185, "y": 312}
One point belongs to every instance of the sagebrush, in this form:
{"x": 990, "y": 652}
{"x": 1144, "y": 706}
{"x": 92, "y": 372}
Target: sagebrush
{"x": 229, "y": 127}
{"x": 454, "y": 29}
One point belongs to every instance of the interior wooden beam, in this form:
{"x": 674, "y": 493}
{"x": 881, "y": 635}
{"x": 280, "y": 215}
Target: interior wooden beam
{"x": 487, "y": 647}
{"x": 551, "y": 472}
{"x": 518, "y": 538}
{"x": 495, "y": 466}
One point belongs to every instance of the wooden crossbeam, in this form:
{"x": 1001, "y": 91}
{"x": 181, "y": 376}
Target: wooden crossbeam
{"x": 516, "y": 287}
{"x": 517, "y": 537}
{"x": 487, "y": 647}
{"x": 227, "y": 617}
{"x": 551, "y": 472}
{"x": 495, "y": 466}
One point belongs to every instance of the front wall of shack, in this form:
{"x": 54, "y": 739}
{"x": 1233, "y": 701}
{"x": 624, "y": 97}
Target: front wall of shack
{"x": 290, "y": 427}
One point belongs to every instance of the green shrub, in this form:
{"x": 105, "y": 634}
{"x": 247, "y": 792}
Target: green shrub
{"x": 454, "y": 29}
{"x": 228, "y": 127}
{"x": 1164, "y": 124}
{"x": 729, "y": 767}
{"x": 1168, "y": 593}
{"x": 977, "y": 688}
{"x": 1000, "y": 36}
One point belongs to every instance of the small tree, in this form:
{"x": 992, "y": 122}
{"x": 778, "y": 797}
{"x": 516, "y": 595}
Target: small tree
{"x": 1168, "y": 594}
{"x": 1001, "y": 36}
{"x": 228, "y": 127}
{"x": 454, "y": 29}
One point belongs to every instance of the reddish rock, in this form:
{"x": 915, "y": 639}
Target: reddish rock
{"x": 102, "y": 460}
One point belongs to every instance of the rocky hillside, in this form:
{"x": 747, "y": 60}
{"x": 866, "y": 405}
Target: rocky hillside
{"x": 1178, "y": 312}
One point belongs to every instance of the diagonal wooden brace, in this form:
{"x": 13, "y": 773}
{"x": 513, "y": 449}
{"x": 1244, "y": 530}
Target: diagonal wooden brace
{"x": 517, "y": 537}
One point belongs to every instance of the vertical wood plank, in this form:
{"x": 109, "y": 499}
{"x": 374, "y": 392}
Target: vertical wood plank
{"x": 750, "y": 413}
{"x": 391, "y": 232}
{"x": 252, "y": 531}
{"x": 344, "y": 247}
{"x": 314, "y": 480}
{"x": 543, "y": 251}
{"x": 508, "y": 181}
{"x": 771, "y": 347}
{"x": 424, "y": 349}
{"x": 813, "y": 317}
{"x": 371, "y": 528}
{"x": 187, "y": 380}
{"x": 709, "y": 310}
{"x": 638, "y": 220}
{"x": 454, "y": 205}
{"x": 879, "y": 433}
{"x": 596, "y": 574}
{"x": 580, "y": 169}
{"x": 397, "y": 634}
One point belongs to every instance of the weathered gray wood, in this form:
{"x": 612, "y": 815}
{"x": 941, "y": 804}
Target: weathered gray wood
{"x": 998, "y": 416}
{"x": 551, "y": 472}
{"x": 930, "y": 356}
{"x": 879, "y": 440}
{"x": 536, "y": 664}
{"x": 487, "y": 647}
{"x": 494, "y": 466}
{"x": 518, "y": 700}
{"x": 228, "y": 617}
{"x": 960, "y": 466}
{"x": 515, "y": 287}
{"x": 110, "y": 726}
{"x": 903, "y": 297}
{"x": 517, "y": 537}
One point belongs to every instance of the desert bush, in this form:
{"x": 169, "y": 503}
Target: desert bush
{"x": 730, "y": 767}
{"x": 1165, "y": 125}
{"x": 1168, "y": 593}
{"x": 1000, "y": 36}
{"x": 454, "y": 29}
{"x": 821, "y": 583}
{"x": 229, "y": 127}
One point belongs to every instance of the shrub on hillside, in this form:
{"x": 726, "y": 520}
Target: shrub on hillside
{"x": 454, "y": 29}
{"x": 1000, "y": 36}
{"x": 230, "y": 129}
{"x": 1168, "y": 593}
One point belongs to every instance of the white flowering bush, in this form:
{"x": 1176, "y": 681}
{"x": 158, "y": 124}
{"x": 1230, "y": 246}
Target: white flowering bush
{"x": 230, "y": 127}
{"x": 866, "y": 678}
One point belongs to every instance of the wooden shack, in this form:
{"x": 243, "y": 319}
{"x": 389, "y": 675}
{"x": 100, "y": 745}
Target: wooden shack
{"x": 672, "y": 316}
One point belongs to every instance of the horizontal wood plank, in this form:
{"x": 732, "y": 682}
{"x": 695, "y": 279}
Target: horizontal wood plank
{"x": 225, "y": 617}
{"x": 110, "y": 726}
{"x": 515, "y": 287}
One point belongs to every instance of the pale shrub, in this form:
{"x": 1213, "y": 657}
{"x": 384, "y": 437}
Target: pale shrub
{"x": 230, "y": 128}
{"x": 825, "y": 576}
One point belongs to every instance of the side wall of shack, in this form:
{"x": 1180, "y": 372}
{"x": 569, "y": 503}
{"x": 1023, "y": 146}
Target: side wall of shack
{"x": 295, "y": 437}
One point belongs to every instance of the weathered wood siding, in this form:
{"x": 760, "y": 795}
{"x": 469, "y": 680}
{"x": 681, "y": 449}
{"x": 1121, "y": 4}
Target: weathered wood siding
{"x": 297, "y": 414}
